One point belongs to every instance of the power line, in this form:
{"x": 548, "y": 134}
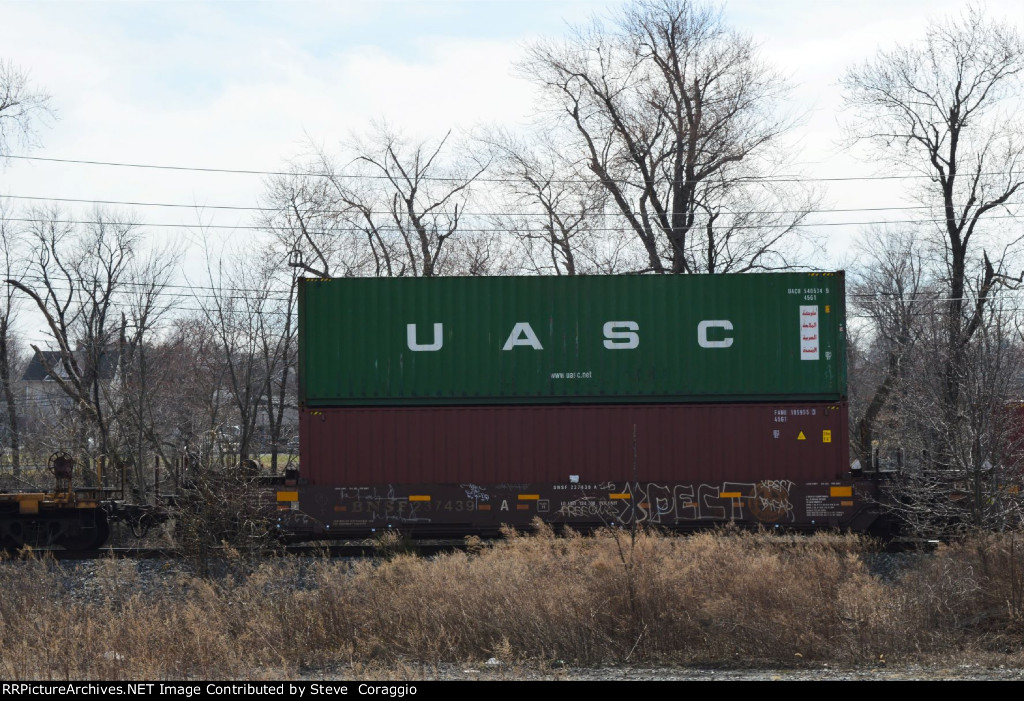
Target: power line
{"x": 123, "y": 203}
{"x": 168, "y": 300}
{"x": 189, "y": 292}
{"x": 127, "y": 203}
{"x": 242, "y": 171}
{"x": 189, "y": 287}
{"x": 466, "y": 230}
{"x": 152, "y": 166}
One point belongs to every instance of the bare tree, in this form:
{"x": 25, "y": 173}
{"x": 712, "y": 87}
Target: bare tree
{"x": 237, "y": 303}
{"x": 190, "y": 405}
{"x": 546, "y": 200}
{"x": 945, "y": 108}
{"x": 964, "y": 471}
{"x": 405, "y": 200}
{"x": 312, "y": 225}
{"x": 11, "y": 258}
{"x": 22, "y": 108}
{"x": 87, "y": 282}
{"x": 679, "y": 120}
{"x": 278, "y": 346}
{"x": 141, "y": 376}
{"x": 889, "y": 294}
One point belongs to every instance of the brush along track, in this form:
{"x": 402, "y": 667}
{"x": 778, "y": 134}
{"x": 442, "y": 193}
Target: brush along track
{"x": 353, "y": 549}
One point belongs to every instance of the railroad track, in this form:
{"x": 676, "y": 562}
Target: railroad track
{"x": 354, "y": 549}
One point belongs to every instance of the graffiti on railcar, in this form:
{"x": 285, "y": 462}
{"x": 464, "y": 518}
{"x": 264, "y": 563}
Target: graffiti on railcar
{"x": 587, "y": 508}
{"x": 771, "y": 502}
{"x": 670, "y": 504}
{"x": 380, "y": 504}
{"x": 475, "y": 492}
{"x": 767, "y": 501}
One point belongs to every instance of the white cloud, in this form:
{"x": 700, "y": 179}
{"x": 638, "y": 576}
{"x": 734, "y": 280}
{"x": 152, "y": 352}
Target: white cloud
{"x": 240, "y": 85}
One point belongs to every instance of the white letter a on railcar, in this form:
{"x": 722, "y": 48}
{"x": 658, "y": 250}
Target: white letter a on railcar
{"x": 523, "y": 335}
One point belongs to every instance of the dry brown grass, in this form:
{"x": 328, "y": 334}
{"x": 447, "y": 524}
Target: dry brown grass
{"x": 727, "y": 597}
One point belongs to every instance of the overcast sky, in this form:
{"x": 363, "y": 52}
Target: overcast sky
{"x": 246, "y": 85}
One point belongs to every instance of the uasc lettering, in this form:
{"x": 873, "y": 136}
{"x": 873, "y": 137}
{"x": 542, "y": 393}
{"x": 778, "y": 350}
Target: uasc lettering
{"x": 616, "y": 335}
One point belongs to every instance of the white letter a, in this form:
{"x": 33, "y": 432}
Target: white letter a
{"x": 523, "y": 335}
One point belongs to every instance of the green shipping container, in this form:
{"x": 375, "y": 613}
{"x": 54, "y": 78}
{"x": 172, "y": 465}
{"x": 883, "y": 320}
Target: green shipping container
{"x": 590, "y": 339}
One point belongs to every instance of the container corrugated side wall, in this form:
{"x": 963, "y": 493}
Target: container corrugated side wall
{"x": 799, "y": 442}
{"x": 597, "y": 339}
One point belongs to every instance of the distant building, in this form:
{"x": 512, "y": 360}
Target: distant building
{"x": 44, "y": 400}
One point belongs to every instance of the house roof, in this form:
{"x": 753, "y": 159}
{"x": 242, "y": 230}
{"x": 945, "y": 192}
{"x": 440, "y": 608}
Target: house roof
{"x": 36, "y": 370}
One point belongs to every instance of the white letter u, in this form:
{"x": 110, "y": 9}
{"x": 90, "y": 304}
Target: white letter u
{"x": 410, "y": 336}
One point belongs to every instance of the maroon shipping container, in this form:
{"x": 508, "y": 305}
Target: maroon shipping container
{"x": 455, "y": 470}
{"x": 555, "y": 444}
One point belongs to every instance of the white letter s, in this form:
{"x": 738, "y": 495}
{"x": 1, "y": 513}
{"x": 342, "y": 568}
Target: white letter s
{"x": 622, "y": 339}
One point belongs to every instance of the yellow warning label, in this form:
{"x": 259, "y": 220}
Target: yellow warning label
{"x": 801, "y": 437}
{"x": 826, "y": 436}
{"x": 828, "y": 308}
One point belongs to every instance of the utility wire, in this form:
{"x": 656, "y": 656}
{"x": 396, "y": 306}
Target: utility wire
{"x": 467, "y": 230}
{"x": 241, "y": 208}
{"x": 170, "y": 300}
{"x": 272, "y": 294}
{"x": 242, "y": 171}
